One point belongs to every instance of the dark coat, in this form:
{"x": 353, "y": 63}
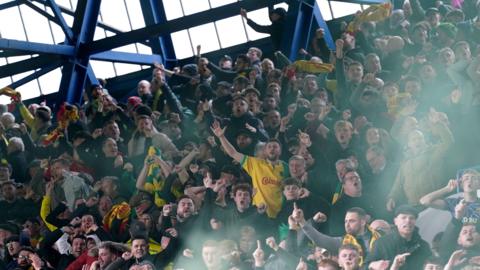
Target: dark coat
{"x": 391, "y": 245}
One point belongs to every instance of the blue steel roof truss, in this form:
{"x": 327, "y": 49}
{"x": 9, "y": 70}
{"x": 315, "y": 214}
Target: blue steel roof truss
{"x": 79, "y": 47}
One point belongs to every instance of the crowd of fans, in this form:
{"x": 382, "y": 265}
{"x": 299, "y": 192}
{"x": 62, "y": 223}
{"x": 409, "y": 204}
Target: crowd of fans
{"x": 258, "y": 163}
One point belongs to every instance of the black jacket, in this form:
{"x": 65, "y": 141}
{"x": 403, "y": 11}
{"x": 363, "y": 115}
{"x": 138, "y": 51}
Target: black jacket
{"x": 391, "y": 245}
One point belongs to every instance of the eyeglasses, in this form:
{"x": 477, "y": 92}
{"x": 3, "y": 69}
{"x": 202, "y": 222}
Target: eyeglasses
{"x": 22, "y": 257}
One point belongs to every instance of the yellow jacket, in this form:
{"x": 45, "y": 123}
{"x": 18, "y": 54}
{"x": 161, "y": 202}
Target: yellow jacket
{"x": 45, "y": 211}
{"x": 350, "y": 239}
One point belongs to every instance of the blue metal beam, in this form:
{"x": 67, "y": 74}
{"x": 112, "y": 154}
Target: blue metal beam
{"x": 189, "y": 21}
{"x": 128, "y": 58}
{"x": 154, "y": 13}
{"x": 91, "y": 78}
{"x": 39, "y": 10}
{"x": 61, "y": 21}
{"x": 35, "y": 47}
{"x": 322, "y": 24}
{"x": 11, "y": 53}
{"x": 303, "y": 25}
{"x": 72, "y": 13}
{"x": 297, "y": 28}
{"x": 8, "y": 5}
{"x": 58, "y": 19}
{"x": 27, "y": 65}
{"x": 35, "y": 75}
{"x": 75, "y": 72}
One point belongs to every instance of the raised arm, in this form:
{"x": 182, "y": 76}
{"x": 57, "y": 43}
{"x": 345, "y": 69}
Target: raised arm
{"x": 330, "y": 243}
{"x": 396, "y": 190}
{"x": 434, "y": 199}
{"x": 188, "y": 158}
{"x": 231, "y": 151}
{"x": 341, "y": 93}
{"x": 142, "y": 176}
{"x": 255, "y": 26}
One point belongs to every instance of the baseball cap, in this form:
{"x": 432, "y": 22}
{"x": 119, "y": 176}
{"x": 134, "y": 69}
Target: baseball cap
{"x": 406, "y": 210}
{"x": 431, "y": 11}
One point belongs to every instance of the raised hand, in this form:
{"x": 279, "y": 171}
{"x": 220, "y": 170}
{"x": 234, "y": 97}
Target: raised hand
{"x": 451, "y": 185}
{"x": 128, "y": 167}
{"x": 95, "y": 265}
{"x": 127, "y": 255}
{"x": 23, "y": 128}
{"x": 75, "y": 221}
{"x": 302, "y": 265}
{"x": 436, "y": 117}
{"x": 199, "y": 49}
{"x": 474, "y": 260}
{"x": 211, "y": 141}
{"x": 339, "y": 44}
{"x": 97, "y": 133}
{"x": 49, "y": 188}
{"x": 270, "y": 241}
{"x": 91, "y": 201}
{"x": 262, "y": 208}
{"x": 347, "y": 114}
{"x": 460, "y": 209}
{"x": 304, "y": 193}
{"x": 243, "y": 13}
{"x": 292, "y": 108}
{"x": 219, "y": 184}
{"x": 297, "y": 214}
{"x": 369, "y": 78}
{"x": 172, "y": 232}
{"x": 284, "y": 123}
{"x": 207, "y": 181}
{"x": 215, "y": 224}
{"x": 67, "y": 229}
{"x": 259, "y": 255}
{"x": 455, "y": 96}
{"x": 250, "y": 128}
{"x": 167, "y": 210}
{"x": 302, "y": 51}
{"x": 339, "y": 48}
{"x": 217, "y": 130}
{"x": 320, "y": 33}
{"x": 320, "y": 217}
{"x": 304, "y": 138}
{"x": 188, "y": 253}
{"x": 399, "y": 261}
{"x": 292, "y": 223}
{"x": 309, "y": 116}
{"x": 379, "y": 265}
{"x": 118, "y": 161}
{"x": 457, "y": 257}
{"x": 390, "y": 204}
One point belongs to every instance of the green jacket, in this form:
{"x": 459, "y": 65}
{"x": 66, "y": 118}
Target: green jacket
{"x": 422, "y": 174}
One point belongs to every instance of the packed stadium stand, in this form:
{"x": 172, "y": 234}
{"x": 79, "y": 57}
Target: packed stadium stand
{"x": 235, "y": 135}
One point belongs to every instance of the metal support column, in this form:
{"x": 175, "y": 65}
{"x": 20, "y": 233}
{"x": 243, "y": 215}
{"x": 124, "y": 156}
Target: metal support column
{"x": 304, "y": 18}
{"x": 74, "y": 73}
{"x": 154, "y": 13}
{"x": 299, "y": 21}
{"x": 317, "y": 14}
